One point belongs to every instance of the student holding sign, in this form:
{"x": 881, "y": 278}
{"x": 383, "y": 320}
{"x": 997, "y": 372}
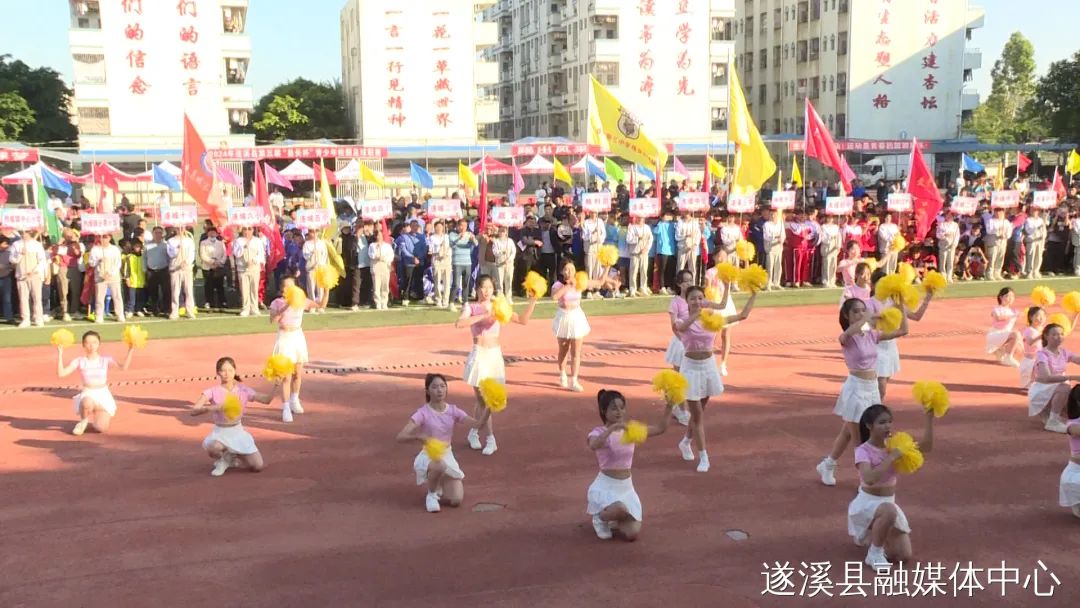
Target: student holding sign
{"x": 886, "y": 234}
{"x": 105, "y": 259}
{"x": 773, "y": 235}
{"x": 180, "y": 248}
{"x": 996, "y": 241}
{"x": 639, "y": 240}
{"x": 687, "y": 243}
{"x": 1034, "y": 243}
{"x": 948, "y": 237}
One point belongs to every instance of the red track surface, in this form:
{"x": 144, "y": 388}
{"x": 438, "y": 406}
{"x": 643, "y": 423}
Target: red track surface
{"x": 133, "y": 518}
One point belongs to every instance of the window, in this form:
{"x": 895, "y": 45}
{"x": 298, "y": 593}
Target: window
{"x": 802, "y": 51}
{"x": 776, "y": 19}
{"x": 841, "y": 83}
{"x": 764, "y": 18}
{"x": 815, "y": 10}
{"x": 776, "y": 125}
{"x": 776, "y": 91}
{"x": 776, "y": 56}
{"x": 719, "y": 74}
{"x": 236, "y": 70}
{"x": 764, "y": 59}
{"x": 841, "y": 43}
{"x": 841, "y": 119}
{"x": 233, "y": 19}
{"x": 749, "y": 65}
{"x": 748, "y": 27}
{"x": 815, "y": 87}
{"x": 804, "y": 11}
{"x": 239, "y": 118}
{"x": 607, "y": 72}
{"x": 843, "y": 9}
{"x": 94, "y": 121}
{"x": 813, "y": 49}
{"x": 721, "y": 29}
{"x": 763, "y": 95}
{"x": 89, "y": 69}
{"x": 719, "y": 119}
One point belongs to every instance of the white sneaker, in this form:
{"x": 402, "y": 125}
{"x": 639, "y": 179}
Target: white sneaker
{"x": 431, "y": 502}
{"x": 681, "y": 415}
{"x": 429, "y": 300}
{"x": 25, "y": 324}
{"x": 1056, "y": 425}
{"x": 220, "y": 466}
{"x": 286, "y": 413}
{"x": 174, "y": 317}
{"x": 703, "y": 463}
{"x": 355, "y": 309}
{"x": 603, "y": 530}
{"x": 474, "y": 439}
{"x": 827, "y": 470}
{"x": 295, "y": 405}
{"x": 80, "y": 428}
{"x": 875, "y": 558}
{"x": 245, "y": 313}
{"x": 67, "y": 318}
{"x": 39, "y": 323}
{"x": 454, "y": 307}
{"x": 723, "y": 369}
{"x": 563, "y": 380}
{"x": 576, "y": 386}
{"x": 685, "y": 450}
{"x": 489, "y": 446}
{"x": 1010, "y": 361}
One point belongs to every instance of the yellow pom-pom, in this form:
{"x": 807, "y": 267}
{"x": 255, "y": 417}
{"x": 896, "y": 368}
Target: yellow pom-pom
{"x": 1043, "y": 296}
{"x": 753, "y": 278}
{"x": 295, "y": 297}
{"x": 888, "y": 287}
{"x": 1059, "y": 318}
{"x": 712, "y": 320}
{"x": 910, "y": 296}
{"x": 911, "y": 458}
{"x": 135, "y": 336}
{"x": 493, "y": 393}
{"x": 535, "y": 284}
{"x": 727, "y": 272}
{"x": 608, "y": 255}
{"x": 898, "y": 243}
{"x": 907, "y": 272}
{"x": 934, "y": 282}
{"x": 889, "y": 320}
{"x": 636, "y": 432}
{"x": 62, "y": 337}
{"x": 1071, "y": 302}
{"x": 278, "y": 367}
{"x": 712, "y": 294}
{"x": 871, "y": 263}
{"x": 501, "y": 309}
{"x": 933, "y": 396}
{"x": 671, "y": 385}
{"x": 232, "y": 407}
{"x": 581, "y": 280}
{"x": 326, "y": 277}
{"x": 435, "y": 448}
{"x": 745, "y": 250}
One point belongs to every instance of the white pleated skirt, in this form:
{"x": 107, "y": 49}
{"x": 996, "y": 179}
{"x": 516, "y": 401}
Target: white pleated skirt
{"x": 860, "y": 515}
{"x": 606, "y": 491}
{"x": 101, "y": 395}
{"x": 702, "y": 377}
{"x": 570, "y": 324}
{"x": 234, "y": 438}
{"x": 856, "y": 395}
{"x": 1039, "y": 395}
{"x": 421, "y": 462}
{"x": 1069, "y": 492}
{"x": 484, "y": 363}
{"x": 995, "y": 338}
{"x": 888, "y": 359}
{"x": 293, "y": 345}
{"x": 1027, "y": 372}
{"x": 675, "y": 352}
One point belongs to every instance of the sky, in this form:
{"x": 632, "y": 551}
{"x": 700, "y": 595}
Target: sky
{"x": 292, "y": 38}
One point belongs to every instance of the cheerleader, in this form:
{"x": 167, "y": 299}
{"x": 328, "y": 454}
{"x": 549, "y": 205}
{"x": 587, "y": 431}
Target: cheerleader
{"x": 486, "y": 359}
{"x": 874, "y": 518}
{"x": 1049, "y": 388}
{"x": 570, "y": 325}
{"x": 858, "y": 343}
{"x": 699, "y": 367}
{"x": 888, "y": 360}
{"x": 860, "y": 286}
{"x": 94, "y": 405}
{"x": 612, "y": 501}
{"x": 678, "y": 311}
{"x": 435, "y": 420}
{"x": 1032, "y": 340}
{"x": 229, "y": 444}
{"x": 1069, "y": 487}
{"x": 291, "y": 343}
{"x": 1002, "y": 339}
{"x": 727, "y": 308}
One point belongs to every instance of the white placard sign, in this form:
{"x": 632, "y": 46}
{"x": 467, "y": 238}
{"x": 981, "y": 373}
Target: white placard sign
{"x": 839, "y": 205}
{"x": 312, "y": 219}
{"x": 444, "y": 208}
{"x": 1044, "y": 199}
{"x": 693, "y": 201}
{"x": 596, "y": 201}
{"x": 783, "y": 199}
{"x": 645, "y": 207}
{"x": 22, "y": 219}
{"x": 245, "y": 217}
{"x": 1004, "y": 199}
{"x": 179, "y": 215}
{"x": 964, "y": 205}
{"x": 99, "y": 223}
{"x": 376, "y": 210}
{"x": 899, "y": 201}
{"x": 507, "y": 216}
{"x": 742, "y": 203}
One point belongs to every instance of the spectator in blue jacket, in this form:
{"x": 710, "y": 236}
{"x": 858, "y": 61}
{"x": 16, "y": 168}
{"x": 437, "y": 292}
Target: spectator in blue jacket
{"x": 664, "y": 237}
{"x": 405, "y": 247}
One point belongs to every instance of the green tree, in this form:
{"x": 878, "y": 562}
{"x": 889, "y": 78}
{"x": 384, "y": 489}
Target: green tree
{"x": 46, "y": 95}
{"x": 1010, "y": 114}
{"x": 1058, "y": 94}
{"x": 281, "y": 119}
{"x": 15, "y": 115}
{"x": 322, "y": 103}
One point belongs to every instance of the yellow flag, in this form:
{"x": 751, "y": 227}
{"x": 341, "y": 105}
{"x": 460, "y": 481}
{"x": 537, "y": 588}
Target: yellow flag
{"x": 371, "y": 176}
{"x": 561, "y": 174}
{"x": 796, "y": 175}
{"x": 1073, "y": 166}
{"x": 467, "y": 177}
{"x": 618, "y": 131}
{"x": 753, "y": 164}
{"x": 716, "y": 169}
{"x": 327, "y": 202}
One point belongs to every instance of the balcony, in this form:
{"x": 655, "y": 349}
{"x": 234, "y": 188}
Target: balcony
{"x": 531, "y": 107}
{"x": 485, "y": 33}
{"x": 969, "y": 99}
{"x": 85, "y": 15}
{"x": 555, "y": 22}
{"x": 604, "y": 48}
{"x": 486, "y": 72}
{"x": 611, "y": 7}
{"x": 487, "y": 110}
{"x": 972, "y": 59}
{"x": 86, "y": 40}
{"x": 238, "y": 96}
{"x": 976, "y": 16}
{"x": 482, "y": 4}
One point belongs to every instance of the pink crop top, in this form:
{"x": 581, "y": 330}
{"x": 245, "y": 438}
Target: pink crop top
{"x": 860, "y": 350}
{"x": 95, "y": 373}
{"x": 216, "y": 395}
{"x": 854, "y": 291}
{"x": 1032, "y": 349}
{"x": 697, "y": 339}
{"x": 1008, "y": 317}
{"x": 570, "y": 296}
{"x": 614, "y": 454}
{"x": 482, "y": 328}
{"x": 678, "y": 309}
{"x": 1074, "y": 440}
{"x": 438, "y": 425}
{"x": 1055, "y": 363}
{"x": 290, "y": 318}
{"x": 875, "y": 456}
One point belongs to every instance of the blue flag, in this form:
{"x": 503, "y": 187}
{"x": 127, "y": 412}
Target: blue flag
{"x": 971, "y": 165}
{"x": 595, "y": 169}
{"x": 646, "y": 172}
{"x": 163, "y": 177}
{"x": 53, "y": 181}
{"x": 420, "y": 176}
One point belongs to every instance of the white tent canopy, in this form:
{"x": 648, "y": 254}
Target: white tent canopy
{"x": 581, "y": 166}
{"x": 538, "y": 165}
{"x": 350, "y": 171}
{"x": 298, "y": 171}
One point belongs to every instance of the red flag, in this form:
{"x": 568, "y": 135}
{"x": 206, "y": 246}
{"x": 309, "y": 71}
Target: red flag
{"x": 198, "y": 178}
{"x": 705, "y": 182}
{"x": 1022, "y": 162}
{"x": 1059, "y": 185}
{"x": 269, "y": 226}
{"x": 925, "y": 197}
{"x": 330, "y": 177}
{"x": 3, "y": 195}
{"x": 482, "y": 210}
{"x": 820, "y": 145}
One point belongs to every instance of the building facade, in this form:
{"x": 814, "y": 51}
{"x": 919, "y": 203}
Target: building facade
{"x": 665, "y": 60}
{"x": 872, "y": 69}
{"x": 412, "y": 71}
{"x": 140, "y": 65}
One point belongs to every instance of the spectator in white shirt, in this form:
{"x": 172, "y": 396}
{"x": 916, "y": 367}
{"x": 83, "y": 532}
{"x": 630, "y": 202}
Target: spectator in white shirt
{"x": 212, "y": 257}
{"x": 995, "y": 241}
{"x": 381, "y": 254}
{"x": 505, "y": 251}
{"x": 181, "y": 250}
{"x": 886, "y": 234}
{"x": 315, "y": 255}
{"x": 441, "y": 263}
{"x": 249, "y": 256}
{"x": 593, "y": 233}
{"x": 1034, "y": 243}
{"x": 948, "y": 237}
{"x": 773, "y": 236}
{"x": 30, "y": 262}
{"x": 106, "y": 261}
{"x": 687, "y": 243}
{"x": 639, "y": 239}
{"x": 829, "y": 247}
